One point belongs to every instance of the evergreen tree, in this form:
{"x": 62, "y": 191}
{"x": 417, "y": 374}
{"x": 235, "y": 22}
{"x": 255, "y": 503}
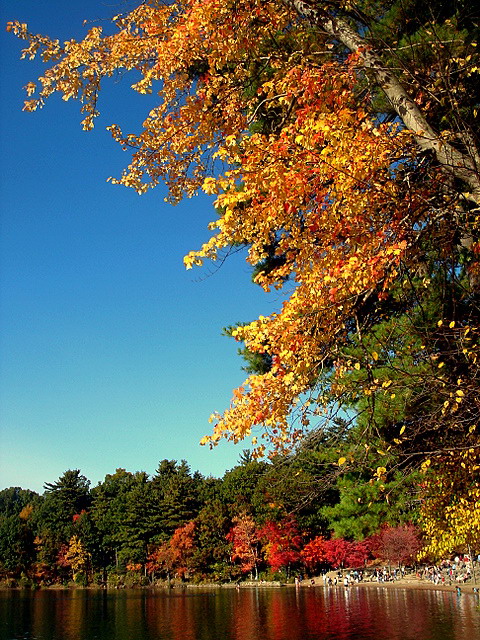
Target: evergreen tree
{"x": 240, "y": 484}
{"x": 14, "y": 499}
{"x": 175, "y": 496}
{"x": 16, "y": 545}
{"x": 212, "y": 558}
{"x": 53, "y": 520}
{"x": 114, "y": 512}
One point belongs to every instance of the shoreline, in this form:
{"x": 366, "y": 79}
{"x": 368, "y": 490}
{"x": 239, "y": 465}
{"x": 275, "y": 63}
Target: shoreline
{"x": 404, "y": 583}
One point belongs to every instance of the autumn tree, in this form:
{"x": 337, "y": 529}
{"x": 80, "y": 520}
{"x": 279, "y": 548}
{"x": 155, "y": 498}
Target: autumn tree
{"x": 341, "y": 553}
{"x": 175, "y": 555}
{"x": 282, "y": 543}
{"x": 78, "y": 558}
{"x": 397, "y": 545}
{"x": 246, "y": 543}
{"x": 314, "y": 554}
{"x": 86, "y": 530}
{"x": 341, "y": 143}
{"x": 160, "y": 561}
{"x": 459, "y": 527}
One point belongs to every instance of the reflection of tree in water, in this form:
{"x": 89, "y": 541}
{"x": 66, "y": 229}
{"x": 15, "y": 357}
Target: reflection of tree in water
{"x": 317, "y": 613}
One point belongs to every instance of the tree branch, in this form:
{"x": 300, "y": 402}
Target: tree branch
{"x": 458, "y": 164}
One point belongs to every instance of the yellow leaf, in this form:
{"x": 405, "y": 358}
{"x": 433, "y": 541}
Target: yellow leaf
{"x": 341, "y": 461}
{"x": 425, "y": 465}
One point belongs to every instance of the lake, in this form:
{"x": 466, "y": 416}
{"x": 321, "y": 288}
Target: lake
{"x": 317, "y": 613}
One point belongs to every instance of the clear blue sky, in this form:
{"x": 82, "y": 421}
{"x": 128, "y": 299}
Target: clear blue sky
{"x": 111, "y": 353}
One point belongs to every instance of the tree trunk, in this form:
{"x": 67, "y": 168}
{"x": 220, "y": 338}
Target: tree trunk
{"x": 459, "y": 165}
{"x": 474, "y": 577}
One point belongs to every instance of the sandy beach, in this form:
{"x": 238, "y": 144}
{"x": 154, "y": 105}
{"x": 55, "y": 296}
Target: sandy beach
{"x": 409, "y": 582}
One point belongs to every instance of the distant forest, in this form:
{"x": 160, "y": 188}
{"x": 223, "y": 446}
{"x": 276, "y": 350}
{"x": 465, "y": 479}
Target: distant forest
{"x": 261, "y": 520}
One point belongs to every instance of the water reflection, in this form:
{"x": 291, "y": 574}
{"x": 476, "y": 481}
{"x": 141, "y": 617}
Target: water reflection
{"x": 374, "y": 613}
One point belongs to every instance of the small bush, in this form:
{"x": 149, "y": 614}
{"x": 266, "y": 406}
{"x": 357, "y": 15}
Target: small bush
{"x": 133, "y": 579}
{"x": 24, "y": 582}
{"x": 80, "y": 579}
{"x": 114, "y": 580}
{"x": 98, "y": 578}
{"x": 8, "y": 583}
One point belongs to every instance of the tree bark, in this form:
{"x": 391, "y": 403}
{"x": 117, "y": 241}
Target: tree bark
{"x": 458, "y": 164}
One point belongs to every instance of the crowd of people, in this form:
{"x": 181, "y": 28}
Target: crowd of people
{"x": 458, "y": 570}
{"x": 455, "y": 571}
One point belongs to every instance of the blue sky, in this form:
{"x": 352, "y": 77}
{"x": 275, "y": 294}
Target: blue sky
{"x": 111, "y": 353}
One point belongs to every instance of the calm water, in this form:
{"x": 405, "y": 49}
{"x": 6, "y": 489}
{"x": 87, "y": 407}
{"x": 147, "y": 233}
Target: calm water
{"x": 316, "y": 613}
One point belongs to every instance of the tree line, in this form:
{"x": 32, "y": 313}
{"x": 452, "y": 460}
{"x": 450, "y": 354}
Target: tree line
{"x": 261, "y": 519}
